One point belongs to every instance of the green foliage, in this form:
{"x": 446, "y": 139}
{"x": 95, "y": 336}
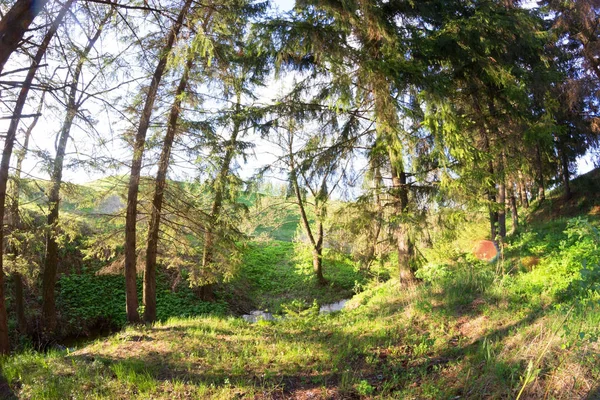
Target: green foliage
{"x": 433, "y": 272}
{"x": 90, "y": 301}
{"x": 568, "y": 261}
{"x": 582, "y": 247}
{"x": 364, "y": 388}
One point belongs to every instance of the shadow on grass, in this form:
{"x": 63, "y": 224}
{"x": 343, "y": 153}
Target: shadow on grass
{"x": 594, "y": 394}
{"x": 5, "y": 390}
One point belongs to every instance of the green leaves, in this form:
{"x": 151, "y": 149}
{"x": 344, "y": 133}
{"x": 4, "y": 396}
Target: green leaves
{"x": 89, "y": 301}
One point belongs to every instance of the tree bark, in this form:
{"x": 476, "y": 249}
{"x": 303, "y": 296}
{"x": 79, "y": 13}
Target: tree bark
{"x": 501, "y": 199}
{"x": 540, "y": 174}
{"x": 318, "y": 254}
{"x": 564, "y": 161}
{"x": 522, "y": 191}
{"x": 51, "y": 260}
{"x": 136, "y": 167}
{"x": 149, "y": 294}
{"x": 6, "y": 155}
{"x": 16, "y": 218}
{"x": 513, "y": 210}
{"x": 405, "y": 246}
{"x": 14, "y": 24}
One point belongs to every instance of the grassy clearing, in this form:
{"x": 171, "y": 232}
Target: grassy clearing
{"x": 527, "y": 327}
{"x": 277, "y": 275}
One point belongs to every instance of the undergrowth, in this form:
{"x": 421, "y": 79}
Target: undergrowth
{"x": 526, "y": 326}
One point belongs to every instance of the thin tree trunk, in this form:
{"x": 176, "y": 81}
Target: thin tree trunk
{"x": 51, "y": 260}
{"x": 14, "y": 24}
{"x": 149, "y": 294}
{"x": 523, "y": 191}
{"x": 405, "y": 246}
{"x": 513, "y": 210}
{"x": 540, "y": 174}
{"x": 16, "y": 218}
{"x": 564, "y": 160}
{"x": 219, "y": 187}
{"x": 316, "y": 243}
{"x": 501, "y": 199}
{"x": 136, "y": 167}
{"x": 7, "y": 152}
{"x": 318, "y": 254}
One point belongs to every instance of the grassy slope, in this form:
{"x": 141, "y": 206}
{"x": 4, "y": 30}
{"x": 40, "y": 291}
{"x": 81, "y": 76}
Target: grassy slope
{"x": 273, "y": 274}
{"x": 470, "y": 332}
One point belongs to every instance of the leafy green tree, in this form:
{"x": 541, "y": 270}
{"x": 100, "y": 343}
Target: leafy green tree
{"x": 136, "y": 166}
{"x": 228, "y": 66}
{"x": 480, "y": 97}
{"x": 76, "y": 97}
{"x": 7, "y": 152}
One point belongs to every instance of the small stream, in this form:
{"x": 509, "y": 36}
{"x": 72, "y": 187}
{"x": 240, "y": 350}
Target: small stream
{"x": 258, "y": 315}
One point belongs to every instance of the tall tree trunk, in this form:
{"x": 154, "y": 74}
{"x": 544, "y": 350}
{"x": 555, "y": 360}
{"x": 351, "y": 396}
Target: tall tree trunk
{"x": 149, "y": 294}
{"x": 564, "y": 161}
{"x": 51, "y": 260}
{"x": 501, "y": 199}
{"x": 7, "y": 152}
{"x": 540, "y": 174}
{"x": 513, "y": 210}
{"x": 16, "y": 218}
{"x": 318, "y": 252}
{"x": 405, "y": 246}
{"x": 493, "y": 212}
{"x": 136, "y": 167}
{"x": 502, "y": 210}
{"x": 219, "y": 187}
{"x": 523, "y": 191}
{"x": 316, "y": 243}
{"x": 14, "y": 24}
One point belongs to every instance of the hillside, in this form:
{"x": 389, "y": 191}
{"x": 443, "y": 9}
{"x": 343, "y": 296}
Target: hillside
{"x": 524, "y": 327}
{"x": 584, "y": 201}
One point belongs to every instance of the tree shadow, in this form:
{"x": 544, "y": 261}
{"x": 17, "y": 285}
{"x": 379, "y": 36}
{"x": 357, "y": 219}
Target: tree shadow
{"x": 5, "y": 390}
{"x": 593, "y": 394}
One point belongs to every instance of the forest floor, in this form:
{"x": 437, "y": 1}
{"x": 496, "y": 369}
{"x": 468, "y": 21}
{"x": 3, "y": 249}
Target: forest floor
{"x": 524, "y": 327}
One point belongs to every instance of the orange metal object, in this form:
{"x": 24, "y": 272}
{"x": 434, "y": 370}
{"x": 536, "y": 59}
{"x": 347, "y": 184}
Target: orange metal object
{"x": 486, "y": 250}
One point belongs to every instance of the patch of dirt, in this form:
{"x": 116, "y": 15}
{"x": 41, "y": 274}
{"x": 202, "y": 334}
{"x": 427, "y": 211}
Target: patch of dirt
{"x": 472, "y": 328}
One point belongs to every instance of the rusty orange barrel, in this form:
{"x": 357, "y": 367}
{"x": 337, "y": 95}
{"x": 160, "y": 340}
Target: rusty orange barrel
{"x": 486, "y": 250}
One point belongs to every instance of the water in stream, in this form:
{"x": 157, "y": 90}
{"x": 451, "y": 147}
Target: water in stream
{"x": 257, "y": 315}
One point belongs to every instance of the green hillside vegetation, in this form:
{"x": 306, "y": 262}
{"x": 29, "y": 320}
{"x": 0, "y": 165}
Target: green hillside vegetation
{"x": 525, "y": 326}
{"x": 273, "y": 275}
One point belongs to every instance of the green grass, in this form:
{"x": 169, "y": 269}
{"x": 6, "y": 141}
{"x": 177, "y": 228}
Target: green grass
{"x": 391, "y": 343}
{"x": 276, "y": 273}
{"x": 527, "y": 325}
